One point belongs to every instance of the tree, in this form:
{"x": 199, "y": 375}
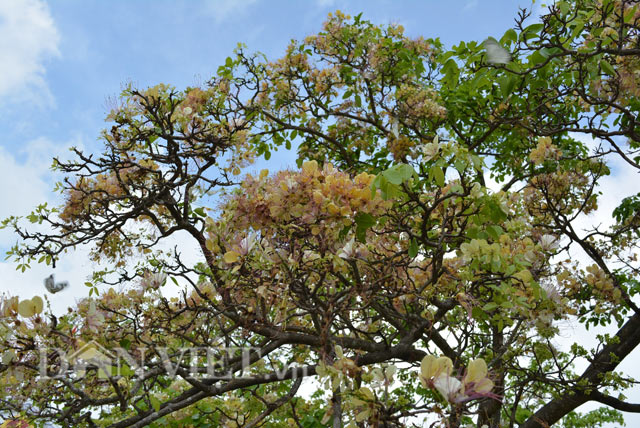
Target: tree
{"x": 384, "y": 267}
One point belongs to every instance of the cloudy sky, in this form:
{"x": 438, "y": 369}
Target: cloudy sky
{"x": 60, "y": 61}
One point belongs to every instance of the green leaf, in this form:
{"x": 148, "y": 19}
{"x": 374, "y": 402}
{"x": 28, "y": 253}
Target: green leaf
{"x": 413, "y": 248}
{"x": 398, "y": 173}
{"x": 578, "y": 28}
{"x": 510, "y": 36}
{"x": 451, "y": 72}
{"x": 629, "y": 14}
{"x": 472, "y": 232}
{"x": 477, "y": 313}
{"x": 489, "y": 306}
{"x": 363, "y": 222}
{"x": 507, "y": 83}
{"x": 533, "y": 29}
{"x": 344, "y": 232}
{"x": 607, "y": 68}
{"x": 155, "y": 403}
{"x": 391, "y": 191}
{"x": 495, "y": 231}
{"x": 536, "y": 58}
{"x": 437, "y": 174}
{"x": 492, "y": 210}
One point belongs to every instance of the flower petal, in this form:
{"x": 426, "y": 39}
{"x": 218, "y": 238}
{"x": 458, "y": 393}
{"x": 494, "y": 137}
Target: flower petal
{"x": 448, "y": 386}
{"x": 483, "y": 385}
{"x": 476, "y": 370}
{"x": 426, "y": 366}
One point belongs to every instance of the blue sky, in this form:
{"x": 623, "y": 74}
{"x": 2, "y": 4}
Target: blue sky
{"x": 60, "y": 61}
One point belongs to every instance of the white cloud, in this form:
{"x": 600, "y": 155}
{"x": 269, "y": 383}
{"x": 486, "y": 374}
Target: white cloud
{"x": 28, "y": 38}
{"x": 26, "y": 174}
{"x": 471, "y": 4}
{"x": 621, "y": 183}
{"x": 28, "y": 183}
{"x": 223, "y": 10}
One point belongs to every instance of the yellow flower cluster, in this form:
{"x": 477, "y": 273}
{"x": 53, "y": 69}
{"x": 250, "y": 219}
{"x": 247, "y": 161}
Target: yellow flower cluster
{"x": 91, "y": 194}
{"x": 602, "y": 284}
{"x": 315, "y": 197}
{"x": 545, "y": 150}
{"x": 419, "y": 102}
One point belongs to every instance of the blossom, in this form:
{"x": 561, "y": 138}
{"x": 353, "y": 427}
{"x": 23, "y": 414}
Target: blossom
{"x": 347, "y": 251}
{"x": 545, "y": 150}
{"x": 241, "y": 249}
{"x": 94, "y": 318}
{"x": 153, "y": 280}
{"x": 9, "y": 306}
{"x": 30, "y": 307}
{"x": 476, "y": 382}
{"x": 247, "y": 243}
{"x": 552, "y": 292}
{"x": 432, "y": 367}
{"x": 449, "y": 387}
{"x": 430, "y": 151}
{"x": 549, "y": 243}
{"x": 436, "y": 373}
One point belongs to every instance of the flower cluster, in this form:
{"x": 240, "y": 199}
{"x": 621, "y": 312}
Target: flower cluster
{"x": 436, "y": 373}
{"x": 315, "y": 198}
{"x": 545, "y": 150}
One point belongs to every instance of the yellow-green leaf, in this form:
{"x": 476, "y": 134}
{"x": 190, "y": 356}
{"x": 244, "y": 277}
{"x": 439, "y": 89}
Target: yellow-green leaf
{"x": 231, "y": 257}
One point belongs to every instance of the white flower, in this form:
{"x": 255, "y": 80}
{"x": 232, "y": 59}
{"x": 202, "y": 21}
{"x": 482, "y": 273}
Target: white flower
{"x": 476, "y": 190}
{"x": 530, "y": 256}
{"x": 449, "y": 387}
{"x": 549, "y": 243}
{"x": 247, "y": 243}
{"x": 94, "y": 318}
{"x": 347, "y": 251}
{"x": 431, "y": 150}
{"x": 309, "y": 256}
{"x": 394, "y": 128}
{"x": 238, "y": 122}
{"x": 552, "y": 292}
{"x": 153, "y": 280}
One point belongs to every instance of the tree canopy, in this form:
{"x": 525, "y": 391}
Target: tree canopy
{"x": 386, "y": 266}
